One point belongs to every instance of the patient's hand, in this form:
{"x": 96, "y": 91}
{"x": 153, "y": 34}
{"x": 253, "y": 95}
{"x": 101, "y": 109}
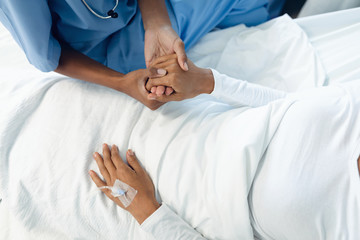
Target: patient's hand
{"x": 187, "y": 84}
{"x": 112, "y": 167}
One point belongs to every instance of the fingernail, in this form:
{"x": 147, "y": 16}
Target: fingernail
{"x": 152, "y": 97}
{"x": 161, "y": 71}
{"x": 94, "y": 154}
{"x": 131, "y": 153}
{"x": 186, "y": 66}
{"x": 90, "y": 172}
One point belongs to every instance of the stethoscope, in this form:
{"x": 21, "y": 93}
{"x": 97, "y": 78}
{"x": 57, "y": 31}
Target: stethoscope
{"x": 110, "y": 14}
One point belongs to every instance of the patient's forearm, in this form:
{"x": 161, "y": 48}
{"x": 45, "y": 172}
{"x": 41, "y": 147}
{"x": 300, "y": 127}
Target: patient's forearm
{"x": 77, "y": 65}
{"x": 165, "y": 224}
{"x": 241, "y": 93}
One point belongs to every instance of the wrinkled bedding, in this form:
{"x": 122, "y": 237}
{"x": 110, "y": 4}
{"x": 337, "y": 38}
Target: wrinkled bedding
{"x": 50, "y": 125}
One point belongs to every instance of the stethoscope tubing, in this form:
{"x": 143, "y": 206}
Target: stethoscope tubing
{"x": 98, "y": 15}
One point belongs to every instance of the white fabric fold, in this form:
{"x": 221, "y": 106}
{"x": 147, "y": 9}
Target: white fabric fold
{"x": 50, "y": 127}
{"x": 164, "y": 224}
{"x": 241, "y": 93}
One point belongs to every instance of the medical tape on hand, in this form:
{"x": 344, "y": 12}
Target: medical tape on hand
{"x": 122, "y": 191}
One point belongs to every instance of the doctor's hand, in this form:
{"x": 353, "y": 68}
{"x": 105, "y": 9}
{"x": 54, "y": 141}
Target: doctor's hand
{"x": 112, "y": 167}
{"x": 133, "y": 84}
{"x": 185, "y": 84}
{"x": 161, "y": 41}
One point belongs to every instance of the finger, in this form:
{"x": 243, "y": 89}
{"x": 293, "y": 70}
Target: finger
{"x": 164, "y": 58}
{"x": 152, "y": 96}
{"x": 147, "y": 86}
{"x": 148, "y": 62}
{"x": 160, "y": 90}
{"x": 149, "y": 55}
{"x": 150, "y": 89}
{"x": 115, "y": 156}
{"x": 104, "y": 172}
{"x": 108, "y": 162}
{"x": 96, "y": 179}
{"x": 156, "y": 72}
{"x": 166, "y": 65}
{"x": 133, "y": 161}
{"x": 164, "y": 81}
{"x": 169, "y": 91}
{"x": 163, "y": 98}
{"x": 100, "y": 183}
{"x": 179, "y": 48}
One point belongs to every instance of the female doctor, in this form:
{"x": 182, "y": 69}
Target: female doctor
{"x": 104, "y": 42}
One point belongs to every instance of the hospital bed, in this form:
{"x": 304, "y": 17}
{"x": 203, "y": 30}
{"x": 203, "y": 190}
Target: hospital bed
{"x": 50, "y": 126}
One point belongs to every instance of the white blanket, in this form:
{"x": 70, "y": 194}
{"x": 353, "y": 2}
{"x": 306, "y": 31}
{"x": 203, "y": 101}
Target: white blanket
{"x": 50, "y": 126}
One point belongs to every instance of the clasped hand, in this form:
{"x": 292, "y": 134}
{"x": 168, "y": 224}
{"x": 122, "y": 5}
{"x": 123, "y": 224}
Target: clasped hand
{"x": 167, "y": 77}
{"x": 185, "y": 84}
{"x": 150, "y": 86}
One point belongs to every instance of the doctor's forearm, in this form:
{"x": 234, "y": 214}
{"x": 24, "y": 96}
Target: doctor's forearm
{"x": 154, "y": 13}
{"x": 77, "y": 65}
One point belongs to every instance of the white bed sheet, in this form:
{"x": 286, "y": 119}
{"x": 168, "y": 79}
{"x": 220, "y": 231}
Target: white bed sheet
{"x": 207, "y": 53}
{"x": 335, "y": 36}
{"x": 315, "y": 7}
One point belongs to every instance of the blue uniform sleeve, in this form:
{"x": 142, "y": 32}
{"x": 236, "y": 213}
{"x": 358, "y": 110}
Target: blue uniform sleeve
{"x": 30, "y": 25}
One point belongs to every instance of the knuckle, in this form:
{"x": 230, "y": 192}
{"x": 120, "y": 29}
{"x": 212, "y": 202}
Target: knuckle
{"x": 107, "y": 165}
{"x": 179, "y": 41}
{"x": 115, "y": 158}
{"x": 152, "y": 72}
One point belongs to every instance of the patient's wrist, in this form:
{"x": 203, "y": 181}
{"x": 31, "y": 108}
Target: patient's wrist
{"x": 208, "y": 81}
{"x": 142, "y": 213}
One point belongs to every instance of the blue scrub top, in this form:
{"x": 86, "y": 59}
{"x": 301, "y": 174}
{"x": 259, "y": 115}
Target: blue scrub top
{"x": 38, "y": 26}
